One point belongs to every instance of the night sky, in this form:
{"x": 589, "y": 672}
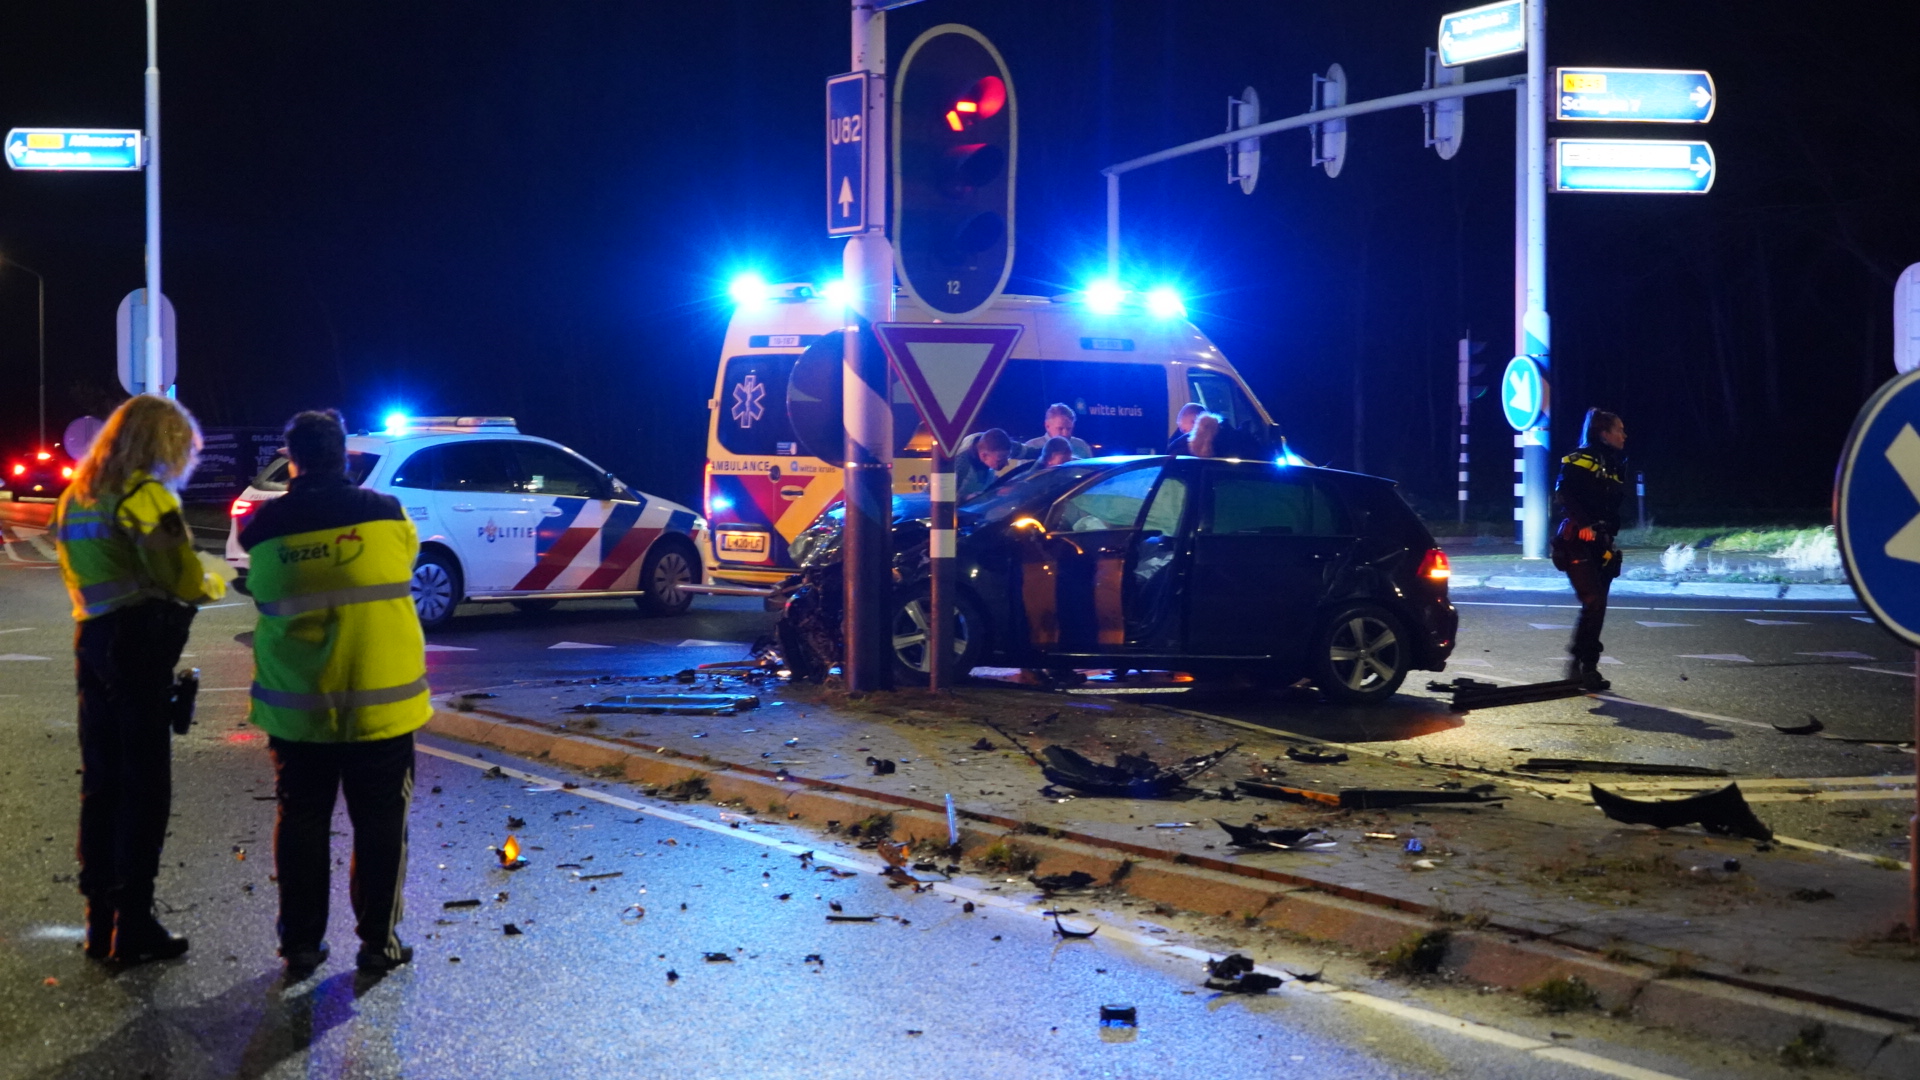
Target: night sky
{"x": 533, "y": 209}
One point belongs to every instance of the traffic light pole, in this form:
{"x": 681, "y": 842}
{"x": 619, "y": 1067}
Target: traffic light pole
{"x": 867, "y": 268}
{"x": 1535, "y": 337}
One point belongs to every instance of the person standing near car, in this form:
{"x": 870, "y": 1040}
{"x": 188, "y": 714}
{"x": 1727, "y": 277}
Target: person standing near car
{"x": 1189, "y": 414}
{"x": 1059, "y": 425}
{"x": 979, "y": 461}
{"x": 128, "y": 562}
{"x": 1591, "y": 486}
{"x": 340, "y": 686}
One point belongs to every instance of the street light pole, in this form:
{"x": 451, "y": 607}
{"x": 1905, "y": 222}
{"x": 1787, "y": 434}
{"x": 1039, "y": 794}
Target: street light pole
{"x": 42, "y": 444}
{"x": 154, "y": 361}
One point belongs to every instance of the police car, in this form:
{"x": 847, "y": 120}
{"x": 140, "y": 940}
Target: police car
{"x": 504, "y": 516}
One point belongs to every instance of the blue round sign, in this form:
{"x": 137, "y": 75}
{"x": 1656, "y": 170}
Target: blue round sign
{"x": 1876, "y": 506}
{"x": 1523, "y": 393}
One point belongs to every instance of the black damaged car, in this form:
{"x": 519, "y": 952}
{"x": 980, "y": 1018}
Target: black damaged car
{"x": 1200, "y": 565}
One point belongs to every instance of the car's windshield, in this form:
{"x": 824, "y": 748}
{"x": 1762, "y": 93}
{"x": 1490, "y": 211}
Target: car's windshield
{"x": 1035, "y": 485}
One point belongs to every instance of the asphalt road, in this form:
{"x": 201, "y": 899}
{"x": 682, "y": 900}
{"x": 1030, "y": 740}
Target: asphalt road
{"x": 584, "y": 989}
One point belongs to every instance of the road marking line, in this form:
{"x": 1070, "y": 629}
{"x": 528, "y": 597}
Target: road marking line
{"x": 1778, "y": 622}
{"x": 1839, "y": 655}
{"x": 1471, "y": 1029}
{"x": 1732, "y": 658}
{"x": 453, "y": 648}
{"x": 1662, "y": 625}
{"x": 24, "y": 629}
{"x": 210, "y": 607}
{"x": 577, "y": 645}
{"x": 1881, "y": 671}
{"x": 1549, "y": 626}
{"x": 1773, "y": 782}
{"x": 1696, "y": 714}
{"x": 19, "y": 656}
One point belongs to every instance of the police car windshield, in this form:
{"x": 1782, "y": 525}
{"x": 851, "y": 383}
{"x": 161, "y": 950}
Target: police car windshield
{"x": 274, "y": 477}
{"x": 1024, "y": 488}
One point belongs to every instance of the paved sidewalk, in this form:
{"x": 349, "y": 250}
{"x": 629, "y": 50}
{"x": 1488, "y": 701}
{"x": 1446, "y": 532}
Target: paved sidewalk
{"x": 1720, "y": 935}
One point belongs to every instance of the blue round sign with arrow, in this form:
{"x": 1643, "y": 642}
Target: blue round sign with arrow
{"x": 1876, "y": 506}
{"x": 1523, "y": 393}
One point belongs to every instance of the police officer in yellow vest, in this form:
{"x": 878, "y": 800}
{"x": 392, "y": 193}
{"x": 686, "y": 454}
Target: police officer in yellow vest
{"x": 340, "y": 685}
{"x": 129, "y": 566}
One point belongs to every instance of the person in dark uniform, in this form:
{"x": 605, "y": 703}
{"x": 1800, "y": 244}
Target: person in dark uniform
{"x": 1588, "y": 495}
{"x": 131, "y": 572}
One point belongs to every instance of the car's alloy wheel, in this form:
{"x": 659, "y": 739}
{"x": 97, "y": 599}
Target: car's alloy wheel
{"x": 1362, "y": 655}
{"x": 912, "y": 621}
{"x": 436, "y": 589}
{"x": 664, "y": 577}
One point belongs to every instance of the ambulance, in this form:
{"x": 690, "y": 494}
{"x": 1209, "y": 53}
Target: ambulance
{"x": 1125, "y": 365}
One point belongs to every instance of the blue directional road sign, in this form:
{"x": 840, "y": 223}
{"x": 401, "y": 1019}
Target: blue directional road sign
{"x": 1633, "y": 165}
{"x": 1876, "y": 506}
{"x": 75, "y": 149}
{"x": 1523, "y": 393}
{"x": 1483, "y": 33}
{"x": 847, "y": 144}
{"x": 1640, "y": 95}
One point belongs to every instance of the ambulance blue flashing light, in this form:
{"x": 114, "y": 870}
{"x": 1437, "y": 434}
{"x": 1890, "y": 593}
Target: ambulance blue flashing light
{"x": 396, "y": 423}
{"x": 720, "y": 504}
{"x": 749, "y": 290}
{"x": 837, "y": 292}
{"x": 1104, "y": 297}
{"x": 1164, "y": 303}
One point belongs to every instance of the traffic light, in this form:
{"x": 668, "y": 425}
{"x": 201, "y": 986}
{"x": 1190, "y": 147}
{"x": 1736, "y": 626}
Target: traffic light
{"x": 955, "y": 143}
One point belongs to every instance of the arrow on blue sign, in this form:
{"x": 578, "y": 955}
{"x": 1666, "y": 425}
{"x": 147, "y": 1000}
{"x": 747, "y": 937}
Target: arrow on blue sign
{"x": 1633, "y": 165}
{"x": 1640, "y": 95}
{"x": 1523, "y": 393}
{"x": 73, "y": 149}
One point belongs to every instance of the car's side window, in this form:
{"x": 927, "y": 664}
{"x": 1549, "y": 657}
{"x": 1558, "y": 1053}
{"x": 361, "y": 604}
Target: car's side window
{"x": 416, "y": 471}
{"x": 1267, "y": 505}
{"x": 1113, "y": 503}
{"x": 475, "y": 467}
{"x": 1169, "y": 504}
{"x": 545, "y": 470}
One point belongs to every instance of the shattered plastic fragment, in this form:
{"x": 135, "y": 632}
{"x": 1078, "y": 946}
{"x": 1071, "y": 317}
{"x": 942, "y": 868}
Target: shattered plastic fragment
{"x": 1072, "y": 935}
{"x": 1724, "y": 812}
{"x": 1053, "y": 883}
{"x": 510, "y": 930}
{"x": 719, "y": 958}
{"x": 451, "y": 904}
{"x": 1252, "y": 836}
{"x": 1119, "y": 1016}
{"x": 1314, "y": 757}
{"x": 1234, "y": 974}
{"x": 1130, "y": 776}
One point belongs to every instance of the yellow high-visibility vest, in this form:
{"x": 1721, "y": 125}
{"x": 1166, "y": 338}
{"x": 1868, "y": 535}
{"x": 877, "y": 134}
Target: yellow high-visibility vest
{"x": 338, "y": 652}
{"x": 126, "y": 548}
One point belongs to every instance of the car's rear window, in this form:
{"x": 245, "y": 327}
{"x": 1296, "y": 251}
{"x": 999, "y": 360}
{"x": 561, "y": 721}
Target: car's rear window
{"x": 274, "y": 477}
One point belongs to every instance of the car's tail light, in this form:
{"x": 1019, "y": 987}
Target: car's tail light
{"x": 66, "y": 472}
{"x": 240, "y": 508}
{"x": 43, "y": 456}
{"x": 19, "y": 469}
{"x": 1435, "y": 566}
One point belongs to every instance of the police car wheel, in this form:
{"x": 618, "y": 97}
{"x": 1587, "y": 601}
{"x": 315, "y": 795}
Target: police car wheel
{"x": 667, "y": 569}
{"x": 1361, "y": 655}
{"x": 909, "y": 628}
{"x": 436, "y": 589}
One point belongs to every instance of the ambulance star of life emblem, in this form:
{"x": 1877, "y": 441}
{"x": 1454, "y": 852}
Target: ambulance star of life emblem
{"x": 749, "y": 401}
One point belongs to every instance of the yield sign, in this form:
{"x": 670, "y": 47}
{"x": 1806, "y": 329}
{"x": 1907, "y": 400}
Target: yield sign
{"x": 948, "y": 369}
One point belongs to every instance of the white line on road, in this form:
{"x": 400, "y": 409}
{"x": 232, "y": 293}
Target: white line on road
{"x": 19, "y": 656}
{"x": 210, "y": 607}
{"x": 24, "y": 629}
{"x": 1688, "y": 712}
{"x": 1882, "y": 671}
{"x": 1729, "y": 657}
{"x": 1471, "y": 1029}
{"x": 577, "y": 645}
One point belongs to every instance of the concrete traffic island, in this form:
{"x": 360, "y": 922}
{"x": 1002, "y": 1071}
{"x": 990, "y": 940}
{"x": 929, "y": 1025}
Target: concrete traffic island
{"x": 1762, "y": 943}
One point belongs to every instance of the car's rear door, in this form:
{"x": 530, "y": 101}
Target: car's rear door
{"x": 1265, "y": 548}
{"x": 477, "y": 502}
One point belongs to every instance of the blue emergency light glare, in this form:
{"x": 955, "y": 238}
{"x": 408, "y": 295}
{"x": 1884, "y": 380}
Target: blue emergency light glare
{"x": 748, "y": 290}
{"x": 719, "y": 504}
{"x": 837, "y": 291}
{"x": 1164, "y": 303}
{"x": 1104, "y": 297}
{"x": 396, "y": 422}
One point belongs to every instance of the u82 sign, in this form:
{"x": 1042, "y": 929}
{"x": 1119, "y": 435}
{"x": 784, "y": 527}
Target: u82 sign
{"x": 847, "y": 153}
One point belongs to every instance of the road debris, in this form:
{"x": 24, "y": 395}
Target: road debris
{"x": 1053, "y": 883}
{"x": 719, "y": 958}
{"x": 983, "y": 744}
{"x": 451, "y": 904}
{"x": 1469, "y": 694}
{"x": 1235, "y": 975}
{"x": 509, "y": 854}
{"x": 852, "y": 918}
{"x": 1723, "y": 812}
{"x": 1133, "y": 776}
{"x": 1314, "y": 756}
{"x": 1812, "y": 725}
{"x": 1071, "y": 935}
{"x": 1630, "y": 768}
{"x": 882, "y": 766}
{"x": 511, "y": 930}
{"x": 671, "y": 704}
{"x": 1253, "y": 836}
{"x": 1388, "y": 798}
{"x": 1119, "y": 1016}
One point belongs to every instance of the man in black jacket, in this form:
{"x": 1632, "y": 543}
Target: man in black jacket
{"x": 1592, "y": 485}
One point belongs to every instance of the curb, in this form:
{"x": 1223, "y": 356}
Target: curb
{"x": 1725, "y": 590}
{"x": 1872, "y": 1045}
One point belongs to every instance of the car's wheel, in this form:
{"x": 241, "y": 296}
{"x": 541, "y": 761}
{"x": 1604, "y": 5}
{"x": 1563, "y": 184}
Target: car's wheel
{"x": 1361, "y": 655}
{"x": 664, "y": 575}
{"x": 534, "y": 607}
{"x": 910, "y": 624}
{"x": 436, "y": 588}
